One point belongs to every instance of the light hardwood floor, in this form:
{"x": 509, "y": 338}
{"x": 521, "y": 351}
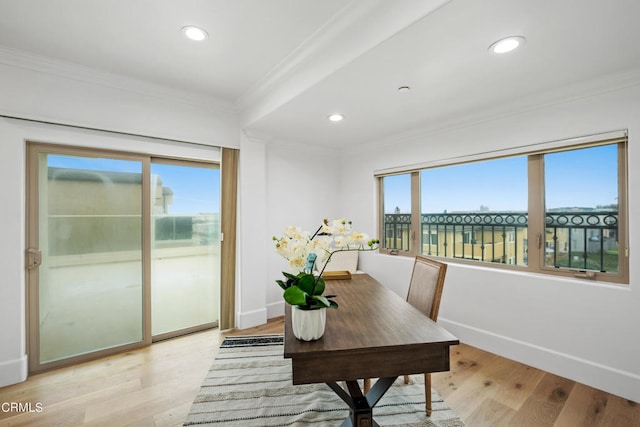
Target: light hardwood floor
{"x": 155, "y": 386}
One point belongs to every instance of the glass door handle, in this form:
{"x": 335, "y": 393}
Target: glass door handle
{"x": 34, "y": 258}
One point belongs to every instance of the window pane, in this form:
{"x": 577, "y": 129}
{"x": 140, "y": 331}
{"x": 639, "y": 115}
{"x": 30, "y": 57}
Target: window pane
{"x": 90, "y": 233}
{"x": 476, "y": 211}
{"x": 397, "y": 212}
{"x": 581, "y": 209}
{"x": 185, "y": 250}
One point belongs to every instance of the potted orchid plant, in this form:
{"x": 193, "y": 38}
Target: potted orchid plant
{"x": 303, "y": 289}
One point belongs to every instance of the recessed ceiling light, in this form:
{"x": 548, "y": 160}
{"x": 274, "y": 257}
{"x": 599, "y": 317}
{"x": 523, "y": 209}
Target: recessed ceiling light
{"x": 336, "y": 117}
{"x": 403, "y": 89}
{"x": 507, "y": 44}
{"x": 195, "y": 33}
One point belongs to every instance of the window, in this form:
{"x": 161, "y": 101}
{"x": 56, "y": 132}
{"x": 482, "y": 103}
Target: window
{"x": 560, "y": 209}
{"x": 473, "y": 206}
{"x": 397, "y": 213}
{"x": 581, "y": 209}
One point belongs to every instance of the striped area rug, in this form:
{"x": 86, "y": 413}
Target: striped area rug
{"x": 249, "y": 384}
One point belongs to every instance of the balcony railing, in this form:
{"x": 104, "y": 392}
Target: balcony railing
{"x": 397, "y": 229}
{"x": 580, "y": 240}
{"x": 490, "y": 237}
{"x": 89, "y": 234}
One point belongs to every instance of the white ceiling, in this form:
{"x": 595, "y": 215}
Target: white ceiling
{"x": 285, "y": 65}
{"x": 143, "y": 39}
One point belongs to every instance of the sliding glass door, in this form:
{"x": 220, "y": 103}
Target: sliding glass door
{"x": 122, "y": 249}
{"x": 87, "y": 231}
{"x": 185, "y": 249}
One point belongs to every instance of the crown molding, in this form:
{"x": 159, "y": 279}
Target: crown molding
{"x": 354, "y": 30}
{"x": 43, "y": 64}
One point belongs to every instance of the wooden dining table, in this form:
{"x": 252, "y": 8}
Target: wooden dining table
{"x": 373, "y": 334}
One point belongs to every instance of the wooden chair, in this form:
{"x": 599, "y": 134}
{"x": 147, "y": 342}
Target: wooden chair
{"x": 425, "y": 292}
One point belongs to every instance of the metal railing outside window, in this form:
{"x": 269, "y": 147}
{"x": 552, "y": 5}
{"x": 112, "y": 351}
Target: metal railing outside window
{"x": 577, "y": 240}
{"x": 582, "y": 240}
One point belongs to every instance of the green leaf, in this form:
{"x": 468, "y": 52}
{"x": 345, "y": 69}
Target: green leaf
{"x": 289, "y": 275}
{"x": 320, "y": 285}
{"x": 295, "y": 296}
{"x": 306, "y": 283}
{"x": 282, "y": 284}
{"x": 321, "y": 301}
{"x": 312, "y": 303}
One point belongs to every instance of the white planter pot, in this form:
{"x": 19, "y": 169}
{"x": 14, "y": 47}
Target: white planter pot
{"x": 308, "y": 325}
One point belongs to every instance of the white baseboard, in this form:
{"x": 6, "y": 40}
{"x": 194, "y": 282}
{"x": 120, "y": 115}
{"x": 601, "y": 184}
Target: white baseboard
{"x": 14, "y": 371}
{"x": 250, "y": 319}
{"x": 275, "y": 309}
{"x": 612, "y": 380}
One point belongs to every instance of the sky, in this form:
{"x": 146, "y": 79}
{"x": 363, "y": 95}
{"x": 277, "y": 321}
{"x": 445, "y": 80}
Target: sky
{"x": 577, "y": 178}
{"x": 196, "y": 189}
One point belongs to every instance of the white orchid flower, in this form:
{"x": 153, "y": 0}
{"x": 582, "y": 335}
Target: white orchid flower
{"x": 336, "y": 235}
{"x": 297, "y": 264}
{"x": 358, "y": 239}
{"x": 341, "y": 242}
{"x": 337, "y": 226}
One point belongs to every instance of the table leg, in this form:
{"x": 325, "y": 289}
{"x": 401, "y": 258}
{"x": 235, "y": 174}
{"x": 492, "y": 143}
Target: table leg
{"x": 360, "y": 406}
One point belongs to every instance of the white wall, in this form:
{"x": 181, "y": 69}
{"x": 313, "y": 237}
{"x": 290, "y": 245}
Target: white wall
{"x": 43, "y": 89}
{"x": 251, "y": 262}
{"x": 13, "y": 359}
{"x": 302, "y": 187}
{"x": 577, "y": 329}
{"x": 112, "y": 104}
